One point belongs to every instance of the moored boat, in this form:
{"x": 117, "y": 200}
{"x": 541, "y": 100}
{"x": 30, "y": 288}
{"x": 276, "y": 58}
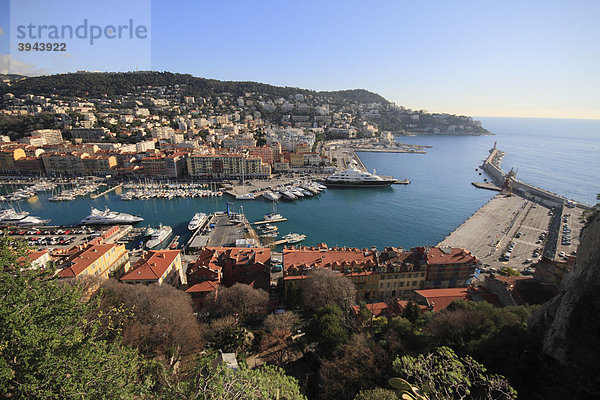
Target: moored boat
{"x": 159, "y": 236}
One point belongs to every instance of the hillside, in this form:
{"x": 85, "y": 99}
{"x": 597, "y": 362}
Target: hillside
{"x": 360, "y": 104}
{"x": 116, "y": 83}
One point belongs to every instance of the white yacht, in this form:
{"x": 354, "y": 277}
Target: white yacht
{"x": 352, "y": 177}
{"x": 197, "y": 221}
{"x": 273, "y": 216}
{"x": 159, "y": 236}
{"x": 11, "y": 217}
{"x": 107, "y": 217}
{"x": 288, "y": 195}
{"x": 247, "y": 196}
{"x": 297, "y": 192}
{"x": 270, "y": 195}
{"x": 294, "y": 238}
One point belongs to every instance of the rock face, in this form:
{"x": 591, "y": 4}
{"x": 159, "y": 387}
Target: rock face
{"x": 569, "y": 324}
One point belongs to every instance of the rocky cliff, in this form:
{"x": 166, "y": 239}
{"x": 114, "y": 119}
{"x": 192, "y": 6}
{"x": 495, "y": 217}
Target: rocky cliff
{"x": 569, "y": 325}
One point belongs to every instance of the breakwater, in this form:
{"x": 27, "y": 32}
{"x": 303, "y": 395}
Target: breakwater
{"x": 492, "y": 166}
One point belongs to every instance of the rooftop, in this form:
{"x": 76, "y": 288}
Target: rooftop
{"x": 82, "y": 257}
{"x": 152, "y": 265}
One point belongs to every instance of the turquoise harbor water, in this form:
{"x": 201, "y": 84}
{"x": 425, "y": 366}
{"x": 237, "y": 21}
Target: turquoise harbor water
{"x": 559, "y": 155}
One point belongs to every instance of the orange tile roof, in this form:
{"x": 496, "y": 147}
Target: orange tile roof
{"x": 375, "y": 309}
{"x": 436, "y": 255}
{"x": 206, "y": 286}
{"x": 34, "y": 255}
{"x": 441, "y": 298}
{"x": 314, "y": 257}
{"x": 211, "y": 256}
{"x": 152, "y": 265}
{"x": 82, "y": 259}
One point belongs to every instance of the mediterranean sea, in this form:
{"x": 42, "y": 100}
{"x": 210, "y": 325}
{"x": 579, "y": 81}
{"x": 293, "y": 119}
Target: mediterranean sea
{"x": 560, "y": 155}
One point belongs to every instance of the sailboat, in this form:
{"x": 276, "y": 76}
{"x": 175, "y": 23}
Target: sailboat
{"x": 245, "y": 196}
{"x": 273, "y": 216}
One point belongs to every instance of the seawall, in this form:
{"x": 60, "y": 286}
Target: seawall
{"x": 492, "y": 166}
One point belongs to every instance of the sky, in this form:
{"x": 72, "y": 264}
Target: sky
{"x": 482, "y": 58}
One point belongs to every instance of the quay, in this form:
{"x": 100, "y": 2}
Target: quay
{"x": 223, "y": 229}
{"x": 95, "y": 196}
{"x": 386, "y": 150}
{"x": 526, "y": 216}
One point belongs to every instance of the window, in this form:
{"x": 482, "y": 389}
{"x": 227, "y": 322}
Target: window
{"x": 381, "y": 286}
{"x": 401, "y": 284}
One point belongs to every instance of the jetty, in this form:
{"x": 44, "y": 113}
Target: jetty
{"x": 268, "y": 222}
{"x": 486, "y": 185}
{"x": 95, "y": 196}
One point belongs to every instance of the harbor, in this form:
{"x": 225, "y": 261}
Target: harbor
{"x": 439, "y": 200}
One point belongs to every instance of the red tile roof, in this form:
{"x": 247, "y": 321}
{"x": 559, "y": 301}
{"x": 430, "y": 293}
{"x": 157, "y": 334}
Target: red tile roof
{"x": 447, "y": 255}
{"x": 323, "y": 257}
{"x": 206, "y": 286}
{"x": 441, "y": 298}
{"x": 211, "y": 256}
{"x": 376, "y": 309}
{"x": 83, "y": 258}
{"x": 152, "y": 265}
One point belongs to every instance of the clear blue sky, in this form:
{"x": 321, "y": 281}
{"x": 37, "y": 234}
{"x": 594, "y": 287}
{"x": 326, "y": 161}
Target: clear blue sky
{"x": 519, "y": 58}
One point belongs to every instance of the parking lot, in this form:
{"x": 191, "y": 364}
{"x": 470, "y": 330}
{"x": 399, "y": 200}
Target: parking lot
{"x": 57, "y": 237}
{"x": 511, "y": 231}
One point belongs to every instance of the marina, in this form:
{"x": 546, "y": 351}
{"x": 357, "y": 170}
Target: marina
{"x": 438, "y": 200}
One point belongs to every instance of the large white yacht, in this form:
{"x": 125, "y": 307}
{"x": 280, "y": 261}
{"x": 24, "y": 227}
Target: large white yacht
{"x": 352, "y": 177}
{"x": 159, "y": 236}
{"x": 197, "y": 221}
{"x": 270, "y": 195}
{"x": 107, "y": 217}
{"x": 11, "y": 217}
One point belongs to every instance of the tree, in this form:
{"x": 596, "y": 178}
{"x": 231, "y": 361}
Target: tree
{"x": 242, "y": 300}
{"x": 444, "y": 375}
{"x": 285, "y": 321}
{"x": 412, "y": 312}
{"x": 356, "y": 365}
{"x": 160, "y": 319}
{"x": 327, "y": 329}
{"x": 376, "y": 394}
{"x": 509, "y": 271}
{"x": 49, "y": 346}
{"x": 324, "y": 287}
{"x": 465, "y": 325}
{"x": 221, "y": 383}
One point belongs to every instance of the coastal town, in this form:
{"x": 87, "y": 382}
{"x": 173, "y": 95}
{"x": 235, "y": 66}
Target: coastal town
{"x": 161, "y": 143}
{"x": 158, "y": 142}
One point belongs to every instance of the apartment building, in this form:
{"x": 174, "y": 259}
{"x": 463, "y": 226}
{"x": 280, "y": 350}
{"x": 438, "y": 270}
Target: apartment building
{"x": 157, "y": 267}
{"x": 96, "y": 260}
{"x": 64, "y": 163}
{"x": 227, "y": 166}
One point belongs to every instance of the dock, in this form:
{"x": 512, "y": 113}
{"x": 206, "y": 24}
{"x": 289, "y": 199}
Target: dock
{"x": 221, "y": 230}
{"x": 268, "y": 222}
{"x": 95, "y": 196}
{"x": 486, "y": 185}
{"x": 174, "y": 243}
{"x": 277, "y": 242}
